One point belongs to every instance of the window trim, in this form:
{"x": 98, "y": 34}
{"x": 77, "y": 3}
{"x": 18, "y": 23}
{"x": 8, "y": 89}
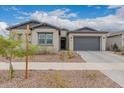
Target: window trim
{"x": 45, "y": 44}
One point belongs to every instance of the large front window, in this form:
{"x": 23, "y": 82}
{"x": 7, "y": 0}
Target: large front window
{"x": 45, "y": 38}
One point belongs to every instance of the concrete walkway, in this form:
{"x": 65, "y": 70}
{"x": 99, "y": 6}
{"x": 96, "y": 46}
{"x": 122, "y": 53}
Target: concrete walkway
{"x": 63, "y": 66}
{"x": 111, "y": 59}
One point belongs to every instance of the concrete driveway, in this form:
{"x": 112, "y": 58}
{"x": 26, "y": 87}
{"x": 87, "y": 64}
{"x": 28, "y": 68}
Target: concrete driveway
{"x": 101, "y": 57}
{"x": 106, "y": 57}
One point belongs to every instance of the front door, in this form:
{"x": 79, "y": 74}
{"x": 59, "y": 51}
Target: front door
{"x": 63, "y": 43}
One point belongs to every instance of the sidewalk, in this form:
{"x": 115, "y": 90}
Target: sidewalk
{"x": 64, "y": 66}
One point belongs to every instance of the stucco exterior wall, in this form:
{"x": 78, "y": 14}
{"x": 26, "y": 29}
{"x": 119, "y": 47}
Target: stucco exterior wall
{"x": 55, "y": 32}
{"x": 123, "y": 40}
{"x": 63, "y": 33}
{"x": 114, "y": 40}
{"x": 22, "y": 32}
{"x": 102, "y": 39}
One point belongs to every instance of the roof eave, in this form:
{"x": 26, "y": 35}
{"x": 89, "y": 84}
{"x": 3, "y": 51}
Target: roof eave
{"x": 90, "y": 32}
{"x": 21, "y": 24}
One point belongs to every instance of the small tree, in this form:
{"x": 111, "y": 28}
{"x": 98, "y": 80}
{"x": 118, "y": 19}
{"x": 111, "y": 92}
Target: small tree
{"x": 9, "y": 48}
{"x": 115, "y": 47}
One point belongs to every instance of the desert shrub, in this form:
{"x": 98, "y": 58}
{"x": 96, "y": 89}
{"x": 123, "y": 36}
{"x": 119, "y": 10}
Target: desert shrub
{"x": 62, "y": 56}
{"x": 122, "y": 50}
{"x": 115, "y": 47}
{"x": 56, "y": 80}
{"x": 44, "y": 50}
{"x": 70, "y": 54}
{"x": 91, "y": 76}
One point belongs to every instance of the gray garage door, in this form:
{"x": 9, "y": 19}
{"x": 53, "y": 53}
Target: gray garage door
{"x": 86, "y": 43}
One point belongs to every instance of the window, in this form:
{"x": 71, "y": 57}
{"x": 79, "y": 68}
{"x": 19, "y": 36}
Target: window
{"x": 45, "y": 38}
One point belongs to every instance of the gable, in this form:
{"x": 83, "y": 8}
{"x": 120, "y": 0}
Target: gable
{"x": 31, "y": 23}
{"x": 45, "y": 26}
{"x": 86, "y": 29}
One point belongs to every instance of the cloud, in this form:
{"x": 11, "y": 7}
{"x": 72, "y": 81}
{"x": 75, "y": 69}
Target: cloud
{"x": 55, "y": 20}
{"x": 71, "y": 15}
{"x": 3, "y": 30}
{"x": 98, "y": 7}
{"x": 24, "y": 13}
{"x": 59, "y": 12}
{"x": 62, "y": 13}
{"x": 20, "y": 17}
{"x": 13, "y": 8}
{"x": 63, "y": 18}
{"x": 106, "y": 23}
{"x": 114, "y": 6}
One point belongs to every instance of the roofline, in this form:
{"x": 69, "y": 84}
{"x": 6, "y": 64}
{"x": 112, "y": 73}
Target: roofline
{"x": 65, "y": 29}
{"x": 79, "y": 29}
{"x": 20, "y": 24}
{"x": 44, "y": 24}
{"x": 114, "y": 35}
{"x": 88, "y": 32}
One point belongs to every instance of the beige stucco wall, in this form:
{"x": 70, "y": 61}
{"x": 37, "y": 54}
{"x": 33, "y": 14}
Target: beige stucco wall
{"x": 123, "y": 40}
{"x": 112, "y": 40}
{"x": 55, "y": 32}
{"x": 21, "y": 31}
{"x": 102, "y": 39}
{"x": 63, "y": 33}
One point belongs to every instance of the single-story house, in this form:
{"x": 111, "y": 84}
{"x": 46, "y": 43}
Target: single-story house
{"x": 44, "y": 34}
{"x": 115, "y": 38}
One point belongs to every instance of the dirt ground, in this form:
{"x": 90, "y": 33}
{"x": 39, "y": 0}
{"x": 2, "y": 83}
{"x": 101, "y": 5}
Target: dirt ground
{"x": 58, "y": 79}
{"x": 119, "y": 53}
{"x": 48, "y": 58}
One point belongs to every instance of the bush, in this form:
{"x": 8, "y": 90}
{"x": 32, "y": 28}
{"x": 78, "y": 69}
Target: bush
{"x": 70, "y": 54}
{"x": 115, "y": 47}
{"x": 57, "y": 81}
{"x": 62, "y": 56}
{"x": 44, "y": 50}
{"x": 91, "y": 76}
{"x": 122, "y": 50}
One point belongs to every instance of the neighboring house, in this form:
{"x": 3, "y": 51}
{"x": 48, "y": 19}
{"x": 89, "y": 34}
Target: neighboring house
{"x": 115, "y": 38}
{"x": 44, "y": 34}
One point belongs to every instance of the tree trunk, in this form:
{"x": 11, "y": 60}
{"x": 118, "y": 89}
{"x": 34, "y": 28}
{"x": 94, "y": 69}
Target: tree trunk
{"x": 11, "y": 71}
{"x": 27, "y": 41}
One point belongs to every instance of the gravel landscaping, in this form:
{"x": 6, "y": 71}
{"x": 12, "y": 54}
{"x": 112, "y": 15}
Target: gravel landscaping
{"x": 58, "y": 57}
{"x": 119, "y": 53}
{"x": 57, "y": 79}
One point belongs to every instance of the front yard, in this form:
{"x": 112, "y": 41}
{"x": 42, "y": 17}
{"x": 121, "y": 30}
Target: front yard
{"x": 62, "y": 56}
{"x": 57, "y": 79}
{"x": 119, "y": 53}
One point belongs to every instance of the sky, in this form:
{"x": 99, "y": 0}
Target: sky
{"x": 99, "y": 17}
